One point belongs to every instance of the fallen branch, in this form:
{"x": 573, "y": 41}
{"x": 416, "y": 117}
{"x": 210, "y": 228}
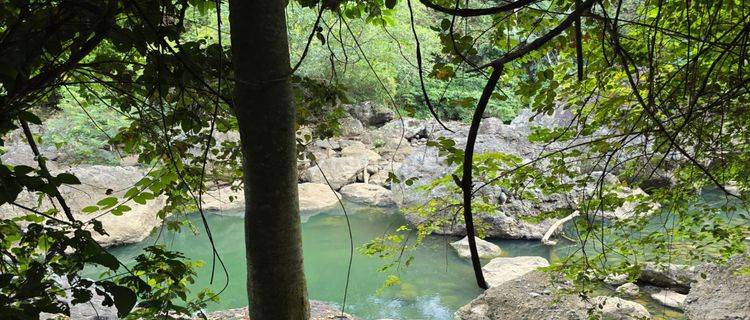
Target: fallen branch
{"x": 556, "y": 226}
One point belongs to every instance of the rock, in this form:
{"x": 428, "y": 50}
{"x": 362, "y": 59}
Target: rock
{"x": 485, "y": 249}
{"x": 224, "y": 199}
{"x": 360, "y": 150}
{"x": 369, "y": 194}
{"x": 504, "y": 269}
{"x": 723, "y": 294}
{"x": 629, "y": 289}
{"x": 370, "y": 113}
{"x": 338, "y": 171}
{"x": 634, "y": 197}
{"x": 613, "y": 308}
{"x": 92, "y": 310}
{"x": 616, "y": 279}
{"x": 669, "y": 298}
{"x": 509, "y": 221}
{"x": 350, "y": 126}
{"x": 21, "y": 154}
{"x": 532, "y": 296}
{"x": 560, "y": 117}
{"x": 316, "y": 196}
{"x": 319, "y": 310}
{"x": 676, "y": 276}
{"x": 98, "y": 182}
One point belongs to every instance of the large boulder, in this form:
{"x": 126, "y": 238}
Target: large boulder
{"x": 338, "y": 171}
{"x": 98, "y": 182}
{"x": 723, "y": 294}
{"x": 532, "y": 296}
{"x": 504, "y": 269}
{"x": 316, "y": 196}
{"x": 370, "y": 113}
{"x": 485, "y": 249}
{"x": 369, "y": 194}
{"x": 676, "y": 276}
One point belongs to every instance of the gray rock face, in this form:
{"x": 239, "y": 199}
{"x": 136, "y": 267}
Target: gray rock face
{"x": 485, "y": 249}
{"x": 723, "y": 295}
{"x": 676, "y": 276}
{"x": 370, "y": 113}
{"x": 532, "y": 296}
{"x": 504, "y": 269}
{"x": 369, "y": 194}
{"x": 426, "y": 164}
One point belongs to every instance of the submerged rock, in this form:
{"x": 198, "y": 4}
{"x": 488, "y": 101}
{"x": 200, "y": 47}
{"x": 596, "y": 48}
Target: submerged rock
{"x": 723, "y": 294}
{"x": 369, "y": 194}
{"x": 504, "y": 269}
{"x": 485, "y": 249}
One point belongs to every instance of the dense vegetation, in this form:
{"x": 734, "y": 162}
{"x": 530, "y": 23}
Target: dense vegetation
{"x": 652, "y": 85}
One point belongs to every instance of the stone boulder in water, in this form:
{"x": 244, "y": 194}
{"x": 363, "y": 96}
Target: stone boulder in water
{"x": 485, "y": 249}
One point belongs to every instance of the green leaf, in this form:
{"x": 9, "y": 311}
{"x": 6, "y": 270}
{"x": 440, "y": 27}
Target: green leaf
{"x": 67, "y": 178}
{"x": 107, "y": 202}
{"x": 90, "y": 209}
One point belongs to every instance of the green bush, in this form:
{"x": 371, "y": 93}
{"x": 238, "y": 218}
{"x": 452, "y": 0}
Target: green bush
{"x": 82, "y": 130}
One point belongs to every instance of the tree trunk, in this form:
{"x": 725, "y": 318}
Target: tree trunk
{"x": 263, "y": 104}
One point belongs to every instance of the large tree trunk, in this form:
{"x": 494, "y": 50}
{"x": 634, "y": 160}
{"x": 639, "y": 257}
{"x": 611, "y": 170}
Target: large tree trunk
{"x": 265, "y": 111}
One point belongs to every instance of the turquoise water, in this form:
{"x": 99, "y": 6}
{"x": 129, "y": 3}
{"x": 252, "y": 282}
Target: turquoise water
{"x": 436, "y": 284}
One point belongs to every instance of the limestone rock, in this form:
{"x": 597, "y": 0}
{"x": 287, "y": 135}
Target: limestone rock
{"x": 629, "y": 289}
{"x": 485, "y": 249}
{"x": 613, "y": 308}
{"x": 360, "y": 150}
{"x": 339, "y": 171}
{"x": 676, "y": 276}
{"x": 98, "y": 182}
{"x": 370, "y": 194}
{"x": 669, "y": 298}
{"x": 504, "y": 269}
{"x": 316, "y": 196}
{"x": 723, "y": 294}
{"x": 533, "y": 296}
{"x": 370, "y": 113}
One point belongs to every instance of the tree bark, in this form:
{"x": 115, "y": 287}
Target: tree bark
{"x": 265, "y": 112}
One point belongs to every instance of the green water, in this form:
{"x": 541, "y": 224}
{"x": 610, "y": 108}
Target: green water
{"x": 436, "y": 284}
